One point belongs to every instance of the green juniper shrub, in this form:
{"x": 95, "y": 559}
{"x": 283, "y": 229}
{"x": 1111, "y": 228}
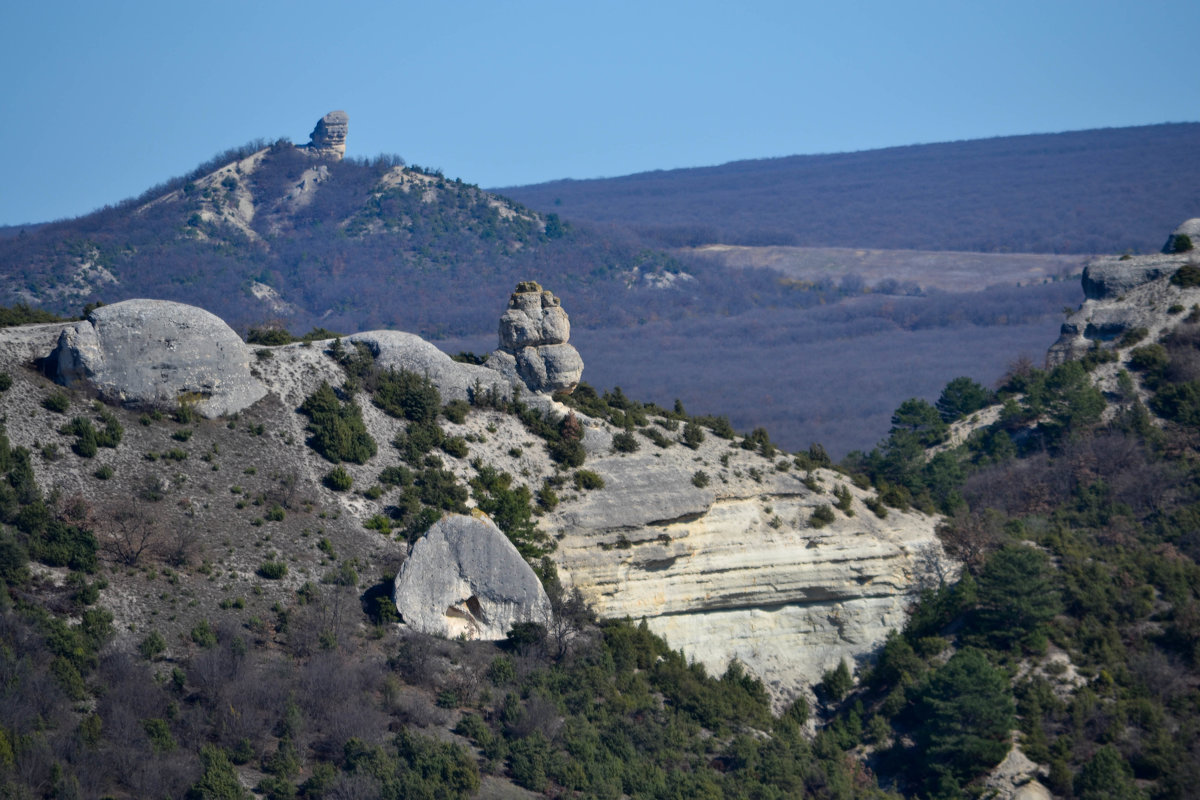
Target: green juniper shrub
{"x": 821, "y": 516}
{"x": 455, "y": 446}
{"x": 396, "y": 476}
{"x": 185, "y": 412}
{"x": 624, "y": 442}
{"x": 1132, "y": 337}
{"x": 700, "y": 479}
{"x": 511, "y": 509}
{"x": 152, "y": 646}
{"x": 338, "y": 479}
{"x": 439, "y": 489}
{"x": 547, "y": 498}
{"x": 467, "y": 357}
{"x": 693, "y": 435}
{"x": 656, "y": 436}
{"x": 269, "y": 335}
{"x": 719, "y": 426}
{"x": 407, "y": 395}
{"x": 417, "y": 441}
{"x": 5, "y": 381}
{"x": 844, "y": 499}
{"x": 337, "y": 429}
{"x": 57, "y": 402}
{"x": 759, "y": 440}
{"x": 1186, "y": 277}
{"x": 836, "y": 683}
{"x": 456, "y": 411}
{"x": 272, "y": 570}
{"x": 586, "y": 480}
{"x": 379, "y": 522}
{"x": 203, "y": 635}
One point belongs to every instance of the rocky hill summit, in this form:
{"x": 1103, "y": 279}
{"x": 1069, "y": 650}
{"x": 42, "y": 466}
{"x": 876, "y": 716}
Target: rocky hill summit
{"x": 329, "y": 136}
{"x": 729, "y": 548}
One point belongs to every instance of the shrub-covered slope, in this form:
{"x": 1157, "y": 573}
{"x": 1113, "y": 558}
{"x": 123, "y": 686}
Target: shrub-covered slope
{"x": 1080, "y": 192}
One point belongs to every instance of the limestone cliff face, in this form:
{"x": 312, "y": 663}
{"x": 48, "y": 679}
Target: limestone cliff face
{"x": 734, "y": 569}
{"x": 1124, "y": 293}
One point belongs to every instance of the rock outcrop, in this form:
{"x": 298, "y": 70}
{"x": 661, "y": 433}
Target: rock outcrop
{"x": 1124, "y": 293}
{"x": 407, "y": 351}
{"x": 534, "y": 332}
{"x": 157, "y": 353}
{"x": 1110, "y": 277}
{"x": 733, "y": 569}
{"x": 329, "y": 137}
{"x": 1190, "y": 229}
{"x": 465, "y": 578}
{"x": 711, "y": 546}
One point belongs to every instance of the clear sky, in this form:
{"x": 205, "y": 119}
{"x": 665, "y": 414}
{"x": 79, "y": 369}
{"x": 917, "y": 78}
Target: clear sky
{"x": 101, "y": 100}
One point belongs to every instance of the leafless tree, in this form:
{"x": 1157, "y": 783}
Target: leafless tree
{"x": 126, "y": 532}
{"x": 971, "y": 536}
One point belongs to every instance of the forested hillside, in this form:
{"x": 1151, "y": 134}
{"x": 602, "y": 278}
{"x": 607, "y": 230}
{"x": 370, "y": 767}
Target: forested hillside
{"x": 1097, "y": 191}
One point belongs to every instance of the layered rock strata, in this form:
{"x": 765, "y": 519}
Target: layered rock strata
{"x": 465, "y": 578}
{"x": 534, "y": 332}
{"x": 736, "y": 570}
{"x": 329, "y": 137}
{"x": 158, "y": 353}
{"x": 1123, "y": 294}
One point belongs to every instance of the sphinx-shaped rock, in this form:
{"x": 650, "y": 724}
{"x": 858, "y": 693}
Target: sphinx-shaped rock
{"x": 533, "y": 342}
{"x": 157, "y": 353}
{"x": 465, "y": 578}
{"x": 329, "y": 137}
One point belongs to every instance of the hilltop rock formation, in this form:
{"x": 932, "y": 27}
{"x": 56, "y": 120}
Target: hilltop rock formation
{"x": 158, "y": 353}
{"x": 533, "y": 342}
{"x": 329, "y": 137}
{"x": 1124, "y": 293}
{"x": 465, "y": 578}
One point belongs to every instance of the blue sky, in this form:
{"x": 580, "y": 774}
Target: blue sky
{"x": 100, "y": 101}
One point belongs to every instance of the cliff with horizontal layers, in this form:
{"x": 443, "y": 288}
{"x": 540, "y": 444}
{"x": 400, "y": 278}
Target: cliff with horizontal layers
{"x": 730, "y": 549}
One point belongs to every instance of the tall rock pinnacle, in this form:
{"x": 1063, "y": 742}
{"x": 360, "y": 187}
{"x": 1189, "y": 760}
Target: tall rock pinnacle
{"x": 329, "y": 137}
{"x": 533, "y": 342}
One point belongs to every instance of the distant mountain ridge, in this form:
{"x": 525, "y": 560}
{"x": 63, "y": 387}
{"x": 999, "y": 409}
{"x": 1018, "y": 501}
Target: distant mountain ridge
{"x": 1095, "y": 191}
